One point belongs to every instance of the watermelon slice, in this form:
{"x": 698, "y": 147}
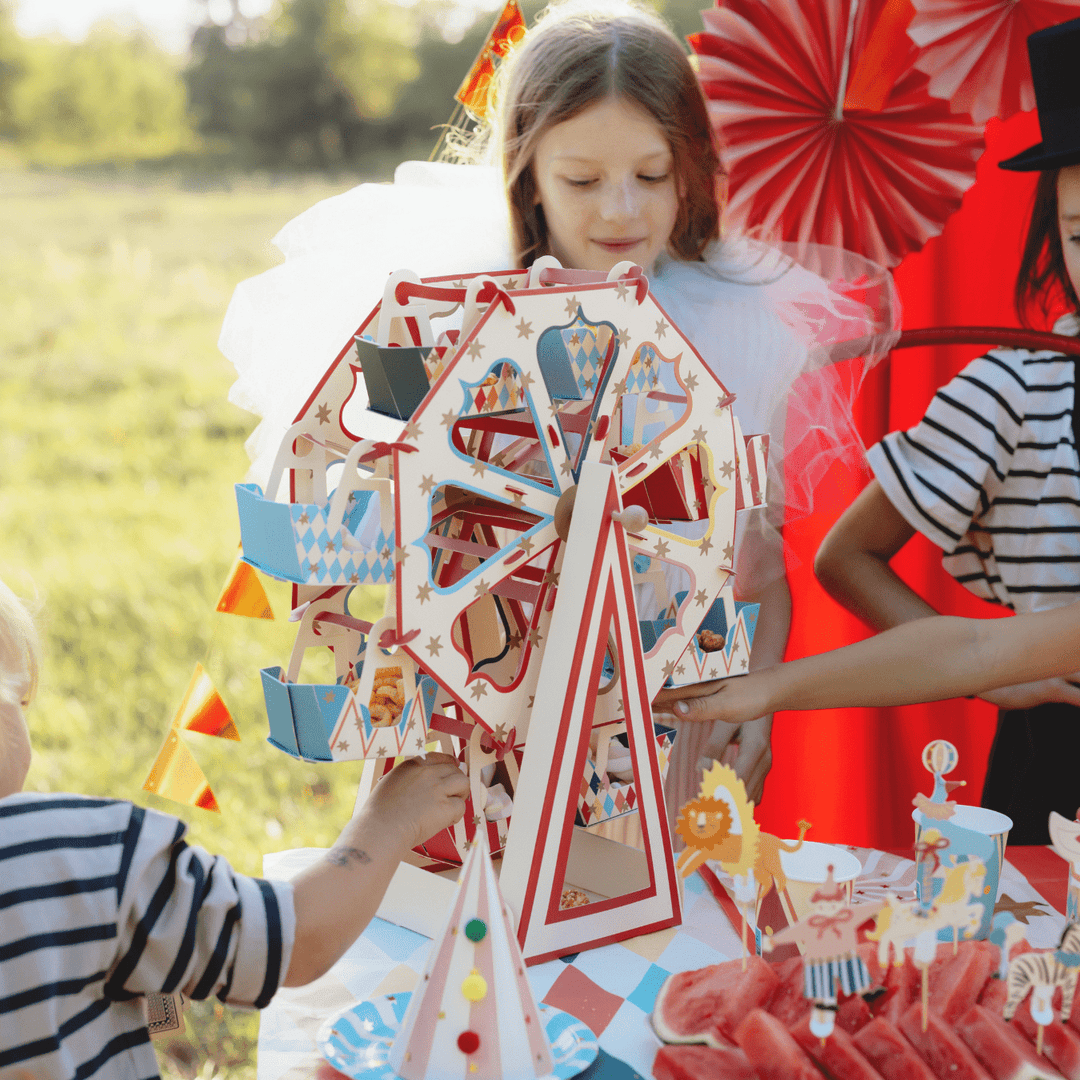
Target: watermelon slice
{"x": 903, "y": 985}
{"x": 853, "y": 1014}
{"x": 940, "y": 1047}
{"x": 788, "y": 1003}
{"x": 837, "y": 1054}
{"x": 1060, "y": 1043}
{"x": 957, "y": 980}
{"x": 772, "y": 1050}
{"x": 1005, "y": 1053}
{"x": 994, "y": 995}
{"x": 702, "y": 1063}
{"x": 890, "y": 1053}
{"x": 704, "y": 1006}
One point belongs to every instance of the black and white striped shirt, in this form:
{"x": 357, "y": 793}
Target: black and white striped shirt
{"x": 102, "y": 901}
{"x": 990, "y": 476}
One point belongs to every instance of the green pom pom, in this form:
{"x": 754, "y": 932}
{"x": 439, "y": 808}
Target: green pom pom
{"x": 476, "y": 930}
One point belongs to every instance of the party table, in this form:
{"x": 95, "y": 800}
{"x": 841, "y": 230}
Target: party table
{"x": 612, "y": 989}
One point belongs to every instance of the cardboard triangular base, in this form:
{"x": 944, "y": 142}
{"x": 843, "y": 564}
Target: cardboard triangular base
{"x": 630, "y": 891}
{"x": 243, "y": 592}
{"x": 202, "y": 709}
{"x": 176, "y": 775}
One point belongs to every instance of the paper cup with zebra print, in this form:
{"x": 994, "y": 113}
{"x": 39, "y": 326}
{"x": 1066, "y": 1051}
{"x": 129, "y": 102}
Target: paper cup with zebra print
{"x": 972, "y": 832}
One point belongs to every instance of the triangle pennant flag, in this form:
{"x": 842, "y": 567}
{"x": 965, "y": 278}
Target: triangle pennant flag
{"x": 243, "y": 592}
{"x": 202, "y": 709}
{"x": 508, "y": 30}
{"x": 176, "y": 775}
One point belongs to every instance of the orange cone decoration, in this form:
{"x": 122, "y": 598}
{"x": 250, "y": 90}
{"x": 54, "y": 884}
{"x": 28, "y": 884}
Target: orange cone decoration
{"x": 202, "y": 709}
{"x": 243, "y": 593}
{"x": 176, "y": 775}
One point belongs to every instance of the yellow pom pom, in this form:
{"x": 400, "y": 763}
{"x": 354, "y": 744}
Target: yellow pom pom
{"x": 474, "y": 986}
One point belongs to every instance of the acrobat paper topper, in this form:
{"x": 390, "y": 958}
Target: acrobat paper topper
{"x": 548, "y": 496}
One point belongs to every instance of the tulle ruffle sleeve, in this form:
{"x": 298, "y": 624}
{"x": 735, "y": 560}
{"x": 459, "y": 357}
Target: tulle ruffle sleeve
{"x": 283, "y": 328}
{"x": 793, "y": 339}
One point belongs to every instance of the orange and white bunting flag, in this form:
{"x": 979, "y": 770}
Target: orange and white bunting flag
{"x": 176, "y": 775}
{"x": 243, "y": 593}
{"x": 508, "y": 30}
{"x": 202, "y": 709}
{"x": 475, "y": 90}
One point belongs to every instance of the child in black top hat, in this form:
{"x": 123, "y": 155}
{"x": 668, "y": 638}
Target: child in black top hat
{"x": 991, "y": 476}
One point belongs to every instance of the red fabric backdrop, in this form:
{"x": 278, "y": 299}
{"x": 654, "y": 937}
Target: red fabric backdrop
{"x": 853, "y": 772}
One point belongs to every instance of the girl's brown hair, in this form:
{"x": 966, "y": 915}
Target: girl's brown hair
{"x": 1043, "y": 281}
{"x": 576, "y": 57}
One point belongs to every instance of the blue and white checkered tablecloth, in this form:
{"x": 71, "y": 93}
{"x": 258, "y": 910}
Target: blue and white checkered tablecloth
{"x": 612, "y": 989}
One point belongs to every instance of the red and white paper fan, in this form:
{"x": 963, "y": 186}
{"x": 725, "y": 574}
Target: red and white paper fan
{"x": 823, "y": 141}
{"x": 975, "y": 51}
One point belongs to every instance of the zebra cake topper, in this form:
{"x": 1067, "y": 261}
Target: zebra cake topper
{"x": 1040, "y": 974}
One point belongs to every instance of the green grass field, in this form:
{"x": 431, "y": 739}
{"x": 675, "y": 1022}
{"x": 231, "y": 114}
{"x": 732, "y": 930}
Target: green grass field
{"x": 119, "y": 452}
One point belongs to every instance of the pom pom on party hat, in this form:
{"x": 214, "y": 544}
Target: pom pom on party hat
{"x": 473, "y": 1015}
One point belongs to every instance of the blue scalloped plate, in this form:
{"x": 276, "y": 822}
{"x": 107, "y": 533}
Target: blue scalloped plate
{"x": 357, "y": 1040}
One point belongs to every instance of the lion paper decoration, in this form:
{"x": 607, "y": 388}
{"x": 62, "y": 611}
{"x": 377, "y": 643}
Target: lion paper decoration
{"x": 571, "y": 451}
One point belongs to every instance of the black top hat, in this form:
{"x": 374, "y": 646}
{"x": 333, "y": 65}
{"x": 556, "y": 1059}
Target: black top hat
{"x": 1055, "y": 72}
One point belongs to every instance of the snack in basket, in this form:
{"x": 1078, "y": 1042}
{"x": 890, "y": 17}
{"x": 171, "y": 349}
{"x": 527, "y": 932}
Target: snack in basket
{"x": 710, "y": 641}
{"x": 387, "y": 697}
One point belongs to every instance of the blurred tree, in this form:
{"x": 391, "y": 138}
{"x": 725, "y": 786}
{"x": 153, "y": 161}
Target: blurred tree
{"x": 114, "y": 95}
{"x": 303, "y": 87}
{"x": 11, "y": 66}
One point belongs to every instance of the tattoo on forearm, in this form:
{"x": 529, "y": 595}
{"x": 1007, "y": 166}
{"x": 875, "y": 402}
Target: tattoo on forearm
{"x": 343, "y": 856}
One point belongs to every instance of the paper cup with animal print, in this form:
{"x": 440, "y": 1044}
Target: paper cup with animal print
{"x": 972, "y": 832}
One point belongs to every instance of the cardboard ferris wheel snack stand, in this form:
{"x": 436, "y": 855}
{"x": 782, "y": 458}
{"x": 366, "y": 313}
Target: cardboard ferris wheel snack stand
{"x": 543, "y": 474}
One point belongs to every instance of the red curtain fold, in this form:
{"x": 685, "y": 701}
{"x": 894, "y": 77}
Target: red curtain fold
{"x": 853, "y": 772}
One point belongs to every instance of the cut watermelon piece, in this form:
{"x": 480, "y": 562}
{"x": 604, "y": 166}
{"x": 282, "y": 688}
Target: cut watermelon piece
{"x": 1060, "y": 1043}
{"x": 940, "y": 1047}
{"x": 1005, "y": 1053}
{"x": 788, "y": 1003}
{"x": 903, "y": 985}
{"x": 749, "y": 989}
{"x": 957, "y": 980}
{"x": 772, "y": 1050}
{"x": 890, "y": 1053}
{"x": 994, "y": 995}
{"x": 704, "y": 1006}
{"x": 702, "y": 1063}
{"x": 837, "y": 1054}
{"x": 853, "y": 1014}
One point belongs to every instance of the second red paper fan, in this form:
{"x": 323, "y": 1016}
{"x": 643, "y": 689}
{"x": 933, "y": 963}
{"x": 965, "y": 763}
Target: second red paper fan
{"x": 806, "y": 163}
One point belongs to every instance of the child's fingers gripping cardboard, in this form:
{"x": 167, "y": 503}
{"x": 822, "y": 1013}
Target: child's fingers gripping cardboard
{"x": 422, "y": 797}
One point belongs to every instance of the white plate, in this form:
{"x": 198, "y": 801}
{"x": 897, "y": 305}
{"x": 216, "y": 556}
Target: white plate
{"x": 357, "y": 1040}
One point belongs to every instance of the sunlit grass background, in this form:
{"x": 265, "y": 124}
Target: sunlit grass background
{"x": 118, "y": 452}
